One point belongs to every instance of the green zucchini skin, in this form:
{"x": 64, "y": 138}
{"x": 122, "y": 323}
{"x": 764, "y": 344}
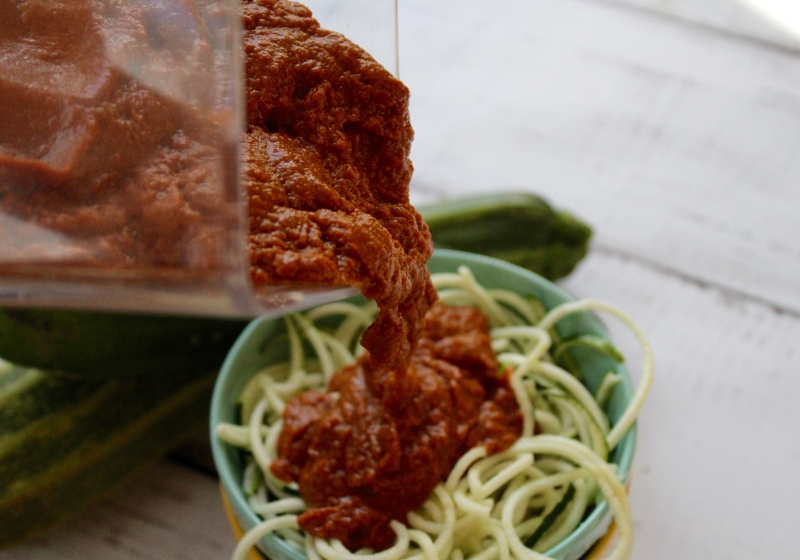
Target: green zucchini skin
{"x": 90, "y": 343}
{"x": 517, "y": 227}
{"x": 520, "y": 228}
{"x": 66, "y": 441}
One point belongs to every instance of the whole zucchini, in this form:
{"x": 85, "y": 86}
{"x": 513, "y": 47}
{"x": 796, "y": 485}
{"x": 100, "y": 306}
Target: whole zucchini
{"x": 520, "y": 228}
{"x": 65, "y": 441}
{"x": 91, "y": 343}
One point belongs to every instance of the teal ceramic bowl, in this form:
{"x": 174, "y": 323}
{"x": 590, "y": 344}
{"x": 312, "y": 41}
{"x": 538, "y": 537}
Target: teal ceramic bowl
{"x": 253, "y": 351}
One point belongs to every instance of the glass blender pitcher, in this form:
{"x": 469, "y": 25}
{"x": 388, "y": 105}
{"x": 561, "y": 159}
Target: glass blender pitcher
{"x": 119, "y": 155}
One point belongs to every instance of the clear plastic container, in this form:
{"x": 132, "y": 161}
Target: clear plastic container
{"x": 119, "y": 162}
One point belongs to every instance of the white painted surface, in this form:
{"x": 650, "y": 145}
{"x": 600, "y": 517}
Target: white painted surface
{"x": 715, "y": 473}
{"x": 679, "y": 144}
{"x": 742, "y": 17}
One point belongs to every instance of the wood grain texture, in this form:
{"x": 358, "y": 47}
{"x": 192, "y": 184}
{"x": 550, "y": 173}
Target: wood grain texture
{"x": 679, "y": 145}
{"x": 714, "y": 475}
{"x": 171, "y": 513}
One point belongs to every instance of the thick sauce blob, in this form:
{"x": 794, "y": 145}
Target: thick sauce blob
{"x": 375, "y": 445}
{"x": 328, "y": 172}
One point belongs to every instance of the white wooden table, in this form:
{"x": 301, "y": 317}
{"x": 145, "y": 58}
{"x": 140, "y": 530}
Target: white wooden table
{"x": 672, "y": 126}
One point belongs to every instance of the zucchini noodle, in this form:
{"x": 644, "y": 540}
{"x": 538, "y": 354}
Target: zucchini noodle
{"x": 516, "y": 504}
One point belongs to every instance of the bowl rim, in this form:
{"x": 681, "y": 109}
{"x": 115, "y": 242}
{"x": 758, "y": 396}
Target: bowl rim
{"x": 594, "y": 526}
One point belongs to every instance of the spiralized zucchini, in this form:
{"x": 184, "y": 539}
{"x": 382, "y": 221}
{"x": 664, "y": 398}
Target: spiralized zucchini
{"x": 514, "y": 504}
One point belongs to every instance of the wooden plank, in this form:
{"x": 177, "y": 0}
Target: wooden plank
{"x": 715, "y": 472}
{"x": 679, "y": 145}
{"x": 170, "y": 513}
{"x": 728, "y": 16}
